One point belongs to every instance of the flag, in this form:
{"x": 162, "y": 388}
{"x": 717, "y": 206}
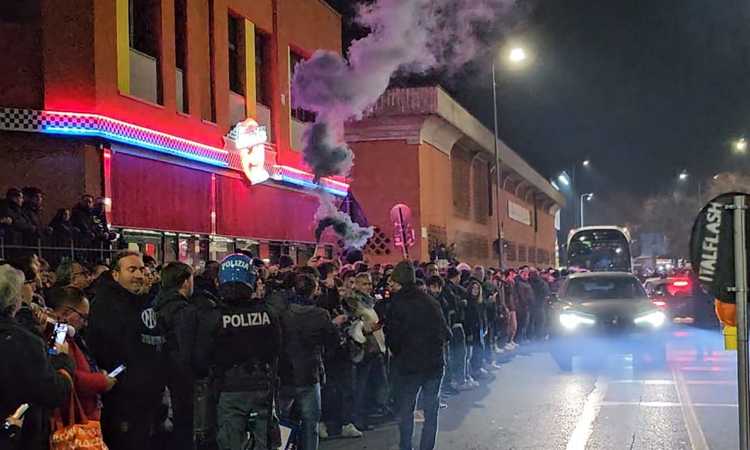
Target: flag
{"x": 351, "y": 206}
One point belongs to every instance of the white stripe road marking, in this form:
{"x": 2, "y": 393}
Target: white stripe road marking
{"x": 671, "y": 382}
{"x": 669, "y": 404}
{"x": 585, "y": 426}
{"x": 647, "y": 382}
{"x": 695, "y": 432}
{"x": 707, "y": 369}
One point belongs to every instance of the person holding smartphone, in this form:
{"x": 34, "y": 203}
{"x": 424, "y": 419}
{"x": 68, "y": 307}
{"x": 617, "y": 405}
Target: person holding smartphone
{"x": 33, "y": 376}
{"x": 72, "y": 308}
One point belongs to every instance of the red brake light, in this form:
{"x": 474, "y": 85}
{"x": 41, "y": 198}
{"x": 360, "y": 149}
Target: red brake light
{"x": 681, "y": 283}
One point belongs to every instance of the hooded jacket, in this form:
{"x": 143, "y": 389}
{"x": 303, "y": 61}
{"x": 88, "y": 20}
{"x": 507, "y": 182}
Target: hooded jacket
{"x": 416, "y": 332}
{"x": 123, "y": 330}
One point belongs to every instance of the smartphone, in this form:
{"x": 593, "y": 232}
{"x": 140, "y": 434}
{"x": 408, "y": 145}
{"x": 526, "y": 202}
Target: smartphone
{"x": 117, "y": 371}
{"x": 61, "y": 332}
{"x": 20, "y": 411}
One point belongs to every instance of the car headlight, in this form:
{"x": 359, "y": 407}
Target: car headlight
{"x": 653, "y": 318}
{"x": 572, "y": 320}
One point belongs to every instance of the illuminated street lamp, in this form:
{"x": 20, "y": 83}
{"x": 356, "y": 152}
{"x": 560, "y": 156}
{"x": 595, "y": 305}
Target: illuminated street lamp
{"x": 564, "y": 178}
{"x": 516, "y": 57}
{"x": 586, "y": 163}
{"x": 683, "y": 175}
{"x": 740, "y": 145}
{"x": 587, "y": 197}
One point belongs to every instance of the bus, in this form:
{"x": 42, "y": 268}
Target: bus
{"x": 599, "y": 249}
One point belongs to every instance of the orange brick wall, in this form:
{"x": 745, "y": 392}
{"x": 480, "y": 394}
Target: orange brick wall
{"x": 387, "y": 172}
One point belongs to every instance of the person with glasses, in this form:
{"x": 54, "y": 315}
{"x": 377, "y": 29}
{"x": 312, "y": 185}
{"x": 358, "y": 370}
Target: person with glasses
{"x": 72, "y": 308}
{"x": 371, "y": 366}
{"x": 72, "y": 273}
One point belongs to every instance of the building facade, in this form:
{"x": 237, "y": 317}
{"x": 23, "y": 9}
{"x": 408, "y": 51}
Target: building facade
{"x": 132, "y": 100}
{"x": 420, "y": 148}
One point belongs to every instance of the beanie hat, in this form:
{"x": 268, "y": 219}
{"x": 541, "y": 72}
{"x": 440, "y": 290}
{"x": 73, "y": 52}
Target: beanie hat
{"x": 404, "y": 273}
{"x": 237, "y": 268}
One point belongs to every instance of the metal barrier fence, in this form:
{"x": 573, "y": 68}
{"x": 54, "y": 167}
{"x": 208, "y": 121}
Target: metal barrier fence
{"x": 55, "y": 253}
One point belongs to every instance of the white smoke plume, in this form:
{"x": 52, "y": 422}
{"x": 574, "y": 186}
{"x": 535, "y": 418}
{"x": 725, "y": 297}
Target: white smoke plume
{"x": 411, "y": 36}
{"x": 328, "y": 215}
{"x": 405, "y": 35}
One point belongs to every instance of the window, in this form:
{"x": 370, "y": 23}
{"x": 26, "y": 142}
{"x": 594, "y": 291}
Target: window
{"x": 262, "y": 68}
{"x": 510, "y": 250}
{"x": 211, "y": 62}
{"x": 480, "y": 180}
{"x": 522, "y": 253}
{"x": 145, "y": 19}
{"x": 298, "y": 113}
{"x": 461, "y": 172}
{"x": 144, "y": 34}
{"x": 236, "y": 55}
{"x": 180, "y": 44}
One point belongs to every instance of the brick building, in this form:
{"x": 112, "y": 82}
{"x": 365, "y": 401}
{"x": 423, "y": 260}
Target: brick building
{"x": 131, "y": 100}
{"x": 419, "y": 147}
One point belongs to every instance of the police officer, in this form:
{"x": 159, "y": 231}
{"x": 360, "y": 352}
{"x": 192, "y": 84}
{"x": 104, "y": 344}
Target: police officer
{"x": 241, "y": 342}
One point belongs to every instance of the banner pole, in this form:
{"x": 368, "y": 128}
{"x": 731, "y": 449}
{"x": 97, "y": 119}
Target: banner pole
{"x": 740, "y": 266}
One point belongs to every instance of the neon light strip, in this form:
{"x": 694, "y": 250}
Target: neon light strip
{"x": 310, "y": 185}
{"x": 95, "y": 125}
{"x": 77, "y": 124}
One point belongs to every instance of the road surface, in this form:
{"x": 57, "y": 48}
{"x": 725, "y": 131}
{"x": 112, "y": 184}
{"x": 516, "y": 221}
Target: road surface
{"x": 531, "y": 404}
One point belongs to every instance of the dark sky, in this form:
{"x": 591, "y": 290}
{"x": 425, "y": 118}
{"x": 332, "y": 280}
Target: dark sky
{"x": 644, "y": 88}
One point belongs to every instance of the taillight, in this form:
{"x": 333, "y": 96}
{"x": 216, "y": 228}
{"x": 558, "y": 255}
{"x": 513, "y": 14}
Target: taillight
{"x": 659, "y": 303}
{"x": 681, "y": 283}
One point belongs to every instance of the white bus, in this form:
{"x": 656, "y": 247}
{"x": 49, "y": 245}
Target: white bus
{"x": 600, "y": 249}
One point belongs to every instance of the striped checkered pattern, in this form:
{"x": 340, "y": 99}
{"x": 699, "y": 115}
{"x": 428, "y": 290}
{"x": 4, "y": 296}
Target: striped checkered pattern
{"x": 66, "y": 123}
{"x": 15, "y": 119}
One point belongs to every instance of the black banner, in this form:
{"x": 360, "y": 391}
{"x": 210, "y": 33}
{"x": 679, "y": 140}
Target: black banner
{"x": 712, "y": 246}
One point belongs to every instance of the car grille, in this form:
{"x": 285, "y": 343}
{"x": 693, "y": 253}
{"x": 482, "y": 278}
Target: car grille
{"x": 615, "y": 324}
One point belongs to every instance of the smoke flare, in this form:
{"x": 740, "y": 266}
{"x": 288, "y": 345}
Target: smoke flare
{"x": 407, "y": 35}
{"x": 328, "y": 215}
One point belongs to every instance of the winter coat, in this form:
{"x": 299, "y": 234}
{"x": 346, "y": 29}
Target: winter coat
{"x": 37, "y": 230}
{"x": 525, "y": 295}
{"x": 89, "y": 382}
{"x": 541, "y": 290}
{"x": 307, "y": 331}
{"x": 123, "y": 330}
{"x": 32, "y": 378}
{"x": 83, "y": 220}
{"x": 62, "y": 233}
{"x": 416, "y": 332}
{"x": 15, "y": 232}
{"x": 461, "y": 298}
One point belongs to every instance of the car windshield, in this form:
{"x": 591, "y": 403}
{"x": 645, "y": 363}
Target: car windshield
{"x": 604, "y": 288}
{"x": 599, "y": 251}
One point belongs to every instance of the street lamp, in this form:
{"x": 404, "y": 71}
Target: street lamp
{"x": 740, "y": 145}
{"x": 564, "y": 178}
{"x": 588, "y": 197}
{"x": 683, "y": 175}
{"x": 516, "y": 57}
{"x": 586, "y": 163}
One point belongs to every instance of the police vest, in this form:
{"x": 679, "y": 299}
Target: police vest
{"x": 244, "y": 335}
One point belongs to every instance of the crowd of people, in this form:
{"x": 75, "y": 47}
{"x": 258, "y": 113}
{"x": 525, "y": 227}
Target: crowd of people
{"x": 83, "y": 226}
{"x": 243, "y": 348}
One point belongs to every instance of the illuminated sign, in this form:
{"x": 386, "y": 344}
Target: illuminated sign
{"x": 248, "y": 135}
{"x": 249, "y": 139}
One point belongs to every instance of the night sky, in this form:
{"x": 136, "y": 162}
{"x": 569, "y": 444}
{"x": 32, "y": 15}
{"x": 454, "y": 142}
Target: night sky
{"x": 644, "y": 88}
